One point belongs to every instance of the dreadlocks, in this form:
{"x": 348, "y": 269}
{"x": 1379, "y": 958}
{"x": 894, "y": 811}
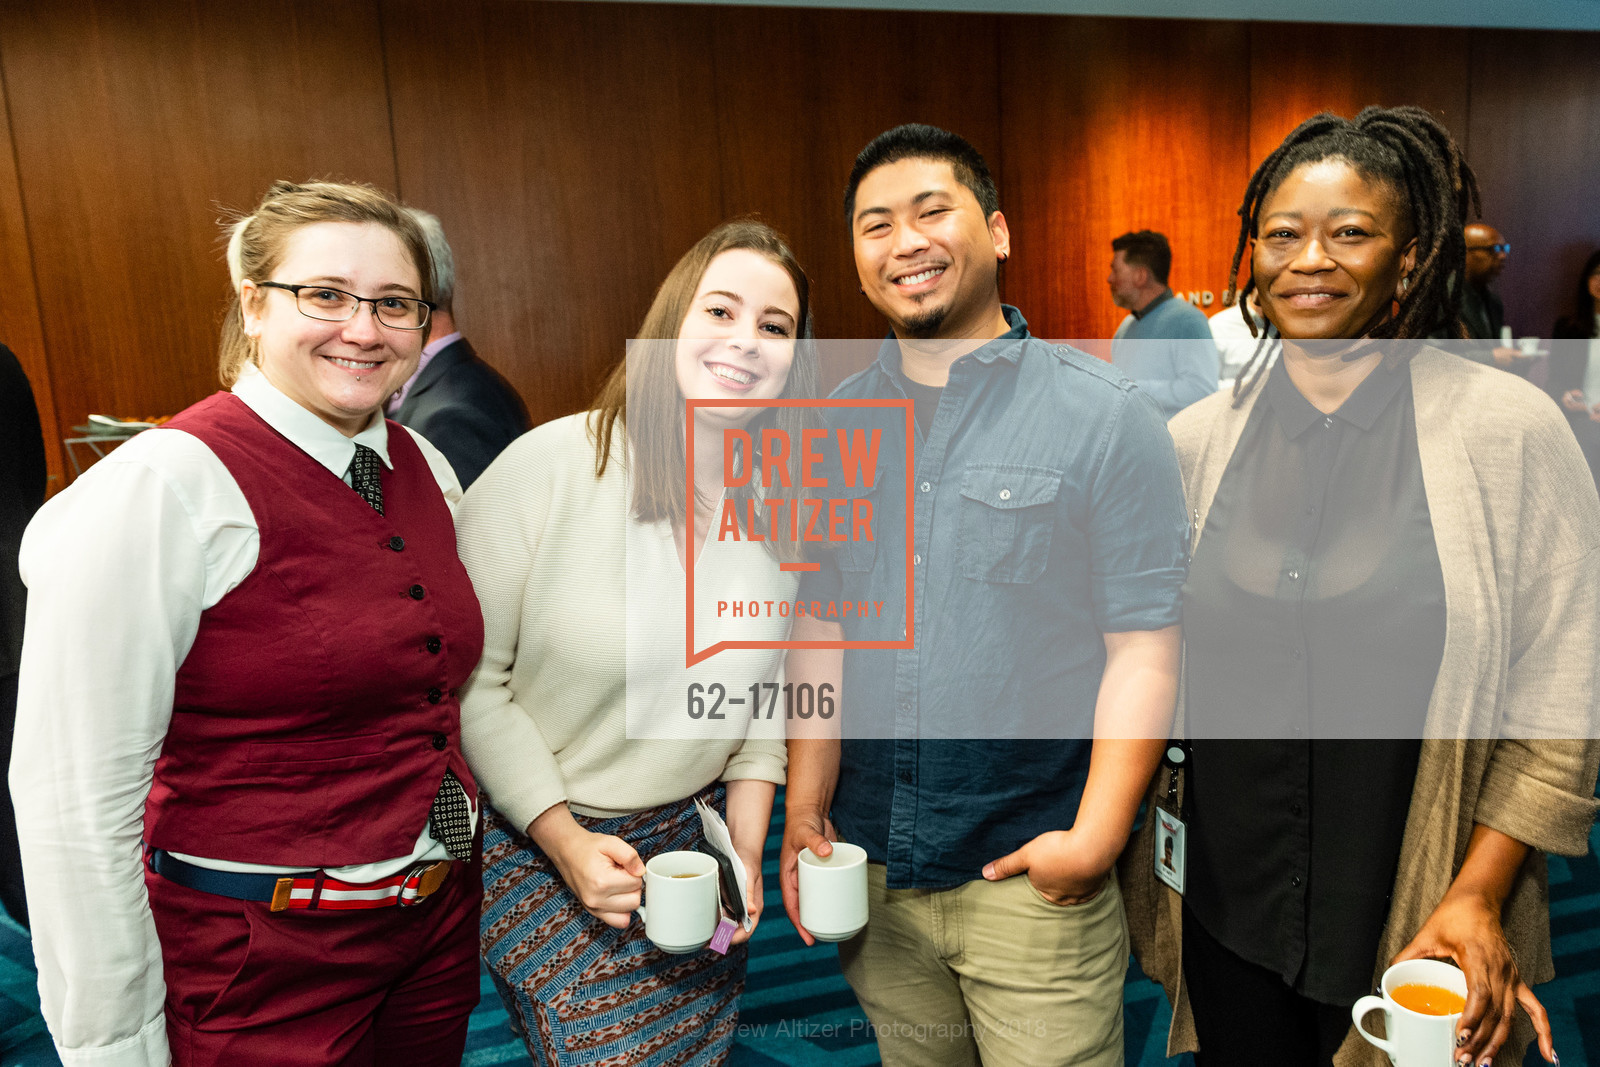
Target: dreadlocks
{"x": 1408, "y": 150}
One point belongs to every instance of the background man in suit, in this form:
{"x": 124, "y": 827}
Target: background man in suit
{"x": 456, "y": 400}
{"x": 22, "y": 485}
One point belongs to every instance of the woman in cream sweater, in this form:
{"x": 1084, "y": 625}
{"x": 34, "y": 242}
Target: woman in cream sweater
{"x": 577, "y": 721}
{"x": 1389, "y": 623}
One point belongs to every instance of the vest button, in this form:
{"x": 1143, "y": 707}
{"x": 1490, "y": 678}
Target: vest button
{"x": 439, "y": 742}
{"x": 435, "y": 695}
{"x": 434, "y": 645}
{"x": 417, "y": 592}
{"x": 397, "y": 543}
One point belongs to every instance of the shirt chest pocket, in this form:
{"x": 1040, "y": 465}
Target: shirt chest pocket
{"x": 857, "y": 556}
{"x": 1007, "y": 519}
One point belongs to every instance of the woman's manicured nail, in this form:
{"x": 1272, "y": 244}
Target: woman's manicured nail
{"x": 1461, "y": 1038}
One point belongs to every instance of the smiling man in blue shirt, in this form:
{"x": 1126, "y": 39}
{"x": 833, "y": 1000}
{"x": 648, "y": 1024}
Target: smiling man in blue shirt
{"x": 1047, "y": 561}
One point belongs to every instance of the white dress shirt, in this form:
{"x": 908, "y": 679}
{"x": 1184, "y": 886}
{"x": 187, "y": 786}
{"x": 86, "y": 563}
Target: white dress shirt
{"x": 1235, "y": 343}
{"x": 119, "y": 567}
{"x": 1591, "y": 371}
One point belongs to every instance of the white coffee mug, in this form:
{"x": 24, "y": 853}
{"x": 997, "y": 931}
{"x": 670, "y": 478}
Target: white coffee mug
{"x": 1528, "y": 346}
{"x": 680, "y": 891}
{"x": 833, "y": 892}
{"x": 1415, "y": 1039}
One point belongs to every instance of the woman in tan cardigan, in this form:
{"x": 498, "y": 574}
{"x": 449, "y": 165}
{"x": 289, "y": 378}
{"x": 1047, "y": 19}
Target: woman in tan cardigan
{"x": 1391, "y": 544}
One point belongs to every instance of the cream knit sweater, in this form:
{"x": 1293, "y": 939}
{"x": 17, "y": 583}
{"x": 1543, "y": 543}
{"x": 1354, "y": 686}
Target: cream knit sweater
{"x": 582, "y": 693}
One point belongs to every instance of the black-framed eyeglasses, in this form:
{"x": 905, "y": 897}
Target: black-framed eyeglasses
{"x": 335, "y": 305}
{"x": 1501, "y": 249}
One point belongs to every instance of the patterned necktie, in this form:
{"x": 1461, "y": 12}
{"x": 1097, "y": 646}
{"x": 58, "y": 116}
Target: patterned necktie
{"x": 450, "y": 821}
{"x": 450, "y": 818}
{"x": 364, "y": 477}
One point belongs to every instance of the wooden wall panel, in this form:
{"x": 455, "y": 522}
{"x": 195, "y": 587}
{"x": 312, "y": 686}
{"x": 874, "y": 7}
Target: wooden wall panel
{"x": 134, "y": 122}
{"x": 571, "y": 151}
{"x": 20, "y": 328}
{"x": 575, "y": 150}
{"x": 1299, "y": 69}
{"x": 796, "y": 102}
{"x": 1113, "y": 125}
{"x": 1535, "y": 144}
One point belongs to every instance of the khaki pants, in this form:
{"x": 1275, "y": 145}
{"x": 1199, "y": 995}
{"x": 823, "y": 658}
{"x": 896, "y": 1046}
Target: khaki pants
{"x": 991, "y": 973}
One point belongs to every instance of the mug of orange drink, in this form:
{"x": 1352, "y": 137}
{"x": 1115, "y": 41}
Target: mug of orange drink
{"x": 1422, "y": 1003}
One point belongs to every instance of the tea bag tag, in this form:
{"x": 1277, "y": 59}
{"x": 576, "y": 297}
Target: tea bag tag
{"x": 723, "y": 937}
{"x": 1171, "y": 834}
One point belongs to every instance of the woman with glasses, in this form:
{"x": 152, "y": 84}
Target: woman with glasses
{"x": 1389, "y": 622}
{"x": 246, "y": 822}
{"x": 579, "y": 722}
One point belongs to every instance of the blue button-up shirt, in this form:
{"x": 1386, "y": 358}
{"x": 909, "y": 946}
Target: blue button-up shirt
{"x": 1047, "y": 510}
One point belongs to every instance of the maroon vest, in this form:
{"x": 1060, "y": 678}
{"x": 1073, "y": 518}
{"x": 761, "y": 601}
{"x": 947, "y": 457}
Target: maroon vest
{"x": 316, "y": 713}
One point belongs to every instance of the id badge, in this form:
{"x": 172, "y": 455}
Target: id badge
{"x": 1170, "y": 850}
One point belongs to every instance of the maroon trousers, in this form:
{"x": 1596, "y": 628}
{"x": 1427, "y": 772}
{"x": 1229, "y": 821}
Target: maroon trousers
{"x": 247, "y": 987}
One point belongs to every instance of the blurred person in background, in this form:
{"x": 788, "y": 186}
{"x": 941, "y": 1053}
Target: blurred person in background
{"x": 1483, "y": 314}
{"x": 463, "y": 406}
{"x": 1574, "y": 368}
{"x": 22, "y": 486}
{"x": 1164, "y": 343}
{"x": 1239, "y": 330}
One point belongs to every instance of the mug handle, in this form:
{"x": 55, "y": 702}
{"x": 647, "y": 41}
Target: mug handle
{"x": 1359, "y": 1013}
{"x": 639, "y": 911}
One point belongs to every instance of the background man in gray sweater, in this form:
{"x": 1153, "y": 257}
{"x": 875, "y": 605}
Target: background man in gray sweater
{"x": 1164, "y": 345}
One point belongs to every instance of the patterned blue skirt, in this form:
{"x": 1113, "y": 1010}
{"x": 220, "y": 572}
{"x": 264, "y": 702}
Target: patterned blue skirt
{"x": 587, "y": 993}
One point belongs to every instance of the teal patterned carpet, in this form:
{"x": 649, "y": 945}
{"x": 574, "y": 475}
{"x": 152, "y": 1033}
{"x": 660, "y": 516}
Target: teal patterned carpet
{"x": 798, "y": 1011}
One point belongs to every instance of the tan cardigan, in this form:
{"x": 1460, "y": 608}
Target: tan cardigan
{"x": 1517, "y": 524}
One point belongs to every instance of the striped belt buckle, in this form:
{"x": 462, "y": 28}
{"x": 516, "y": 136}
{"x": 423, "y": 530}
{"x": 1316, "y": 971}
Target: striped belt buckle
{"x": 330, "y": 894}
